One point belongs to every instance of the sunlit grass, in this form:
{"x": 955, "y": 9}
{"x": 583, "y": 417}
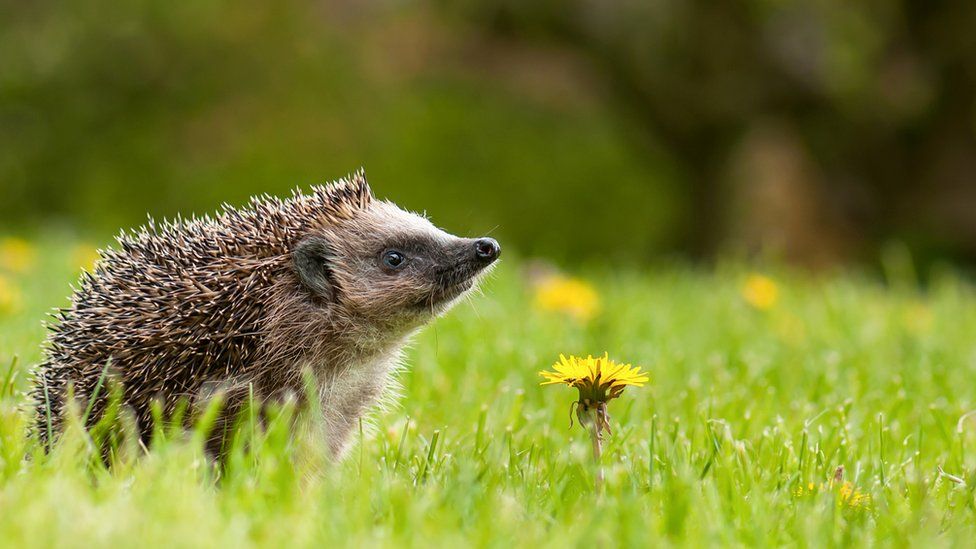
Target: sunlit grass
{"x": 749, "y": 407}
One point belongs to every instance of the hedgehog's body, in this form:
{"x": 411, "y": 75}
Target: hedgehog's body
{"x": 246, "y": 303}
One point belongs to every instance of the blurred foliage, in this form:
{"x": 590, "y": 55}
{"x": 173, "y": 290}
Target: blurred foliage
{"x": 109, "y": 111}
{"x": 819, "y": 130}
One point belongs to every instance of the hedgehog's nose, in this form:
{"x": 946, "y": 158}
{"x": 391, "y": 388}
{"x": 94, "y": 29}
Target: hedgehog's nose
{"x": 487, "y": 249}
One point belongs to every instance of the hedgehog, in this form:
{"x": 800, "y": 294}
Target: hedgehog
{"x": 327, "y": 285}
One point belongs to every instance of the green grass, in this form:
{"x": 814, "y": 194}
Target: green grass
{"x": 744, "y": 408}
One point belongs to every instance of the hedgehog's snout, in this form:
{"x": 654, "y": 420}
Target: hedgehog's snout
{"x": 486, "y": 250}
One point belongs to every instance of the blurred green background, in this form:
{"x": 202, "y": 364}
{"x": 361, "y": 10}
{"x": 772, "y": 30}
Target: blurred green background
{"x": 817, "y": 131}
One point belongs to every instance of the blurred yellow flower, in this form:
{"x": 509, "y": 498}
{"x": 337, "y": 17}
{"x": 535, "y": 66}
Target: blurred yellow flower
{"x": 598, "y": 379}
{"x": 9, "y": 296}
{"x": 848, "y": 496}
{"x": 572, "y": 296}
{"x": 16, "y": 254}
{"x": 84, "y": 255}
{"x": 801, "y": 491}
{"x": 760, "y": 292}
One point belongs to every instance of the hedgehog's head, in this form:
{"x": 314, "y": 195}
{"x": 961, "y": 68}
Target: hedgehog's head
{"x": 390, "y": 268}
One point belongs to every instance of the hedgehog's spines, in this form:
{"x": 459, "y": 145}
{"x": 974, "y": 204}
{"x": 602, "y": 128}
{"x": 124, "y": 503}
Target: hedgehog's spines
{"x": 187, "y": 301}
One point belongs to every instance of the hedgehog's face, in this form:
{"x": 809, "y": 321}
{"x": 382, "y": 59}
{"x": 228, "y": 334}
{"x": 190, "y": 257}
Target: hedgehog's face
{"x": 389, "y": 267}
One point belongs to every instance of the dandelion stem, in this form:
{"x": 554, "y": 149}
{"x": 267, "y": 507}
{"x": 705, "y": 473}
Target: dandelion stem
{"x": 596, "y": 437}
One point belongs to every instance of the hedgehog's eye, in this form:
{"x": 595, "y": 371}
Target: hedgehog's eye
{"x": 393, "y": 259}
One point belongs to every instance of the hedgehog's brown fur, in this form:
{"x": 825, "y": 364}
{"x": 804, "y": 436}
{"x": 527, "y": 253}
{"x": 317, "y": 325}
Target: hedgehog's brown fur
{"x": 191, "y": 308}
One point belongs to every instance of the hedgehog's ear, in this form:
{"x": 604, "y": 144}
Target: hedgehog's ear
{"x": 312, "y": 259}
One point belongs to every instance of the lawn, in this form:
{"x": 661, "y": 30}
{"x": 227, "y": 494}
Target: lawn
{"x": 761, "y": 389}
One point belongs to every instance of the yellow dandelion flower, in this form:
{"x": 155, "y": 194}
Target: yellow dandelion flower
{"x": 849, "y": 496}
{"x": 571, "y": 296}
{"x": 760, "y": 291}
{"x": 16, "y": 254}
{"x": 801, "y": 491}
{"x": 9, "y": 296}
{"x": 598, "y": 379}
{"x": 84, "y": 256}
